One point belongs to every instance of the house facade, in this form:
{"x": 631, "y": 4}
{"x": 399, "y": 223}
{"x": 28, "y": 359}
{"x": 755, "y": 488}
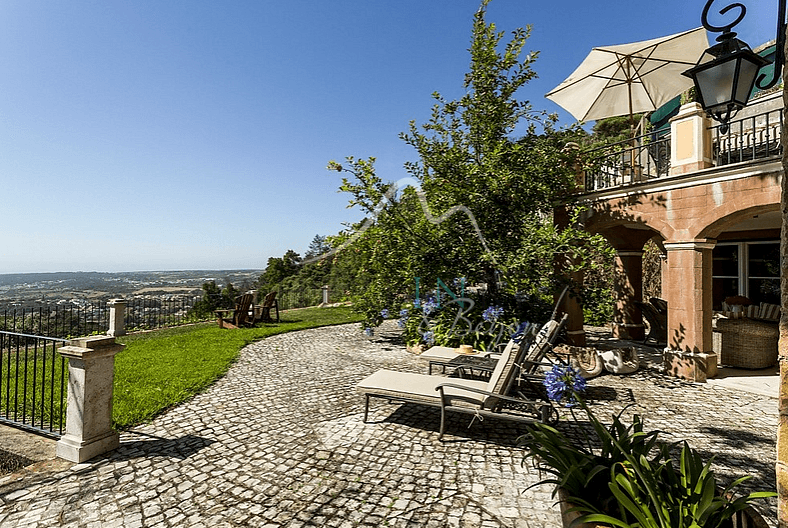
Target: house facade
{"x": 711, "y": 202}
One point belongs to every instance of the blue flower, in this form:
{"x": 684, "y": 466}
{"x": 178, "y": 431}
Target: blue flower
{"x": 492, "y": 313}
{"x": 403, "y": 318}
{"x": 429, "y": 337}
{"x": 384, "y": 313}
{"x": 564, "y": 383}
{"x": 417, "y": 303}
{"x": 430, "y": 305}
{"x": 369, "y": 332}
{"x": 519, "y": 333}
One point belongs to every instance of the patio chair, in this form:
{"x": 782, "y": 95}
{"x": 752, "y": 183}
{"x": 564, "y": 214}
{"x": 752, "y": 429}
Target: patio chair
{"x": 262, "y": 312}
{"x": 242, "y": 314}
{"x": 657, "y": 321}
{"x": 474, "y": 397}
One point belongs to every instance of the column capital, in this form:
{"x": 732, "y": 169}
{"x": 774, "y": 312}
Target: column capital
{"x": 691, "y": 245}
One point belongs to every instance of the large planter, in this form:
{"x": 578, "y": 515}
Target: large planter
{"x": 567, "y": 517}
{"x": 747, "y": 518}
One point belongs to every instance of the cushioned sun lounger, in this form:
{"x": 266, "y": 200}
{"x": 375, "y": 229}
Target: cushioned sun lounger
{"x": 478, "y": 398}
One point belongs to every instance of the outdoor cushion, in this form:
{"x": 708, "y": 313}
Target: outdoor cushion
{"x": 420, "y": 388}
{"x": 770, "y": 312}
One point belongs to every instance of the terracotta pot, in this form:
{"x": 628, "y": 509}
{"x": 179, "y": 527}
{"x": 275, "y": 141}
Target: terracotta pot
{"x": 567, "y": 517}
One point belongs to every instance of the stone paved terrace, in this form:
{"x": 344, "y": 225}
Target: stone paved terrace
{"x": 280, "y": 442}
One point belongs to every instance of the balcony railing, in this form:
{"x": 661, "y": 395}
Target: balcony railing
{"x": 628, "y": 162}
{"x": 749, "y": 139}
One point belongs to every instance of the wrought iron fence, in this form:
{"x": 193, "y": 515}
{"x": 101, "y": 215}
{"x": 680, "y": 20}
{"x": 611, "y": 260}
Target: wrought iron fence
{"x": 147, "y": 313}
{"x": 300, "y": 298}
{"x": 749, "y": 138}
{"x": 33, "y": 381}
{"x": 627, "y": 162}
{"x": 81, "y": 318}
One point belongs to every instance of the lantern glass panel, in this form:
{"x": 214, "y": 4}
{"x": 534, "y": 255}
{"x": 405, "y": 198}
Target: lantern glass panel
{"x": 747, "y": 73}
{"x": 716, "y": 83}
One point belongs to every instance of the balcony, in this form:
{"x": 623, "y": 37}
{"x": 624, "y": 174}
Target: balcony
{"x": 754, "y": 136}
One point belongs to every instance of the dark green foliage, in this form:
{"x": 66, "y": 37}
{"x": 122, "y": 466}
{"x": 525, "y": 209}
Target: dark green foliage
{"x": 214, "y": 298}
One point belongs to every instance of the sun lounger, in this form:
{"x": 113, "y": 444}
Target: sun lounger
{"x": 474, "y": 397}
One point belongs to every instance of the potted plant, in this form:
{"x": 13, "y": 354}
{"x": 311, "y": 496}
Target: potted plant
{"x": 622, "y": 475}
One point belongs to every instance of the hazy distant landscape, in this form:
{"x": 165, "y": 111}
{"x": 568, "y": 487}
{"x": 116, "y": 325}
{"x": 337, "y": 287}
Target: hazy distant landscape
{"x": 53, "y": 287}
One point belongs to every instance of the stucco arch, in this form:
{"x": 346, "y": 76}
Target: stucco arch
{"x": 722, "y": 218}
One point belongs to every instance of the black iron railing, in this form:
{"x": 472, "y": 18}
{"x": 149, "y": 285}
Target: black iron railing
{"x": 149, "y": 313}
{"x": 749, "y": 139}
{"x": 33, "y": 382}
{"x": 627, "y": 162}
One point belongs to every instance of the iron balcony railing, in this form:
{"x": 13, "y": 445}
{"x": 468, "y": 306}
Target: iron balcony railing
{"x": 33, "y": 383}
{"x": 627, "y": 162}
{"x": 748, "y": 139}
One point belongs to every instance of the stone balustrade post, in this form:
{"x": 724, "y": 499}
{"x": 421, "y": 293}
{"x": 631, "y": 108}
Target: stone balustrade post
{"x": 325, "y": 294}
{"x": 117, "y": 317}
{"x": 690, "y": 140}
{"x": 91, "y": 372}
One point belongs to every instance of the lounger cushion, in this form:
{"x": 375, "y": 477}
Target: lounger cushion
{"x": 420, "y": 388}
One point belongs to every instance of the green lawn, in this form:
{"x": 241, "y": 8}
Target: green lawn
{"x": 160, "y": 369}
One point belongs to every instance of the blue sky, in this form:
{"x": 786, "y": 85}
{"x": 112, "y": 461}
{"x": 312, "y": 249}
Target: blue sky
{"x": 153, "y": 135}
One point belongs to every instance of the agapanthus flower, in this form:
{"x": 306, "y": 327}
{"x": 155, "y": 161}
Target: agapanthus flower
{"x": 429, "y": 306}
{"x": 520, "y": 332}
{"x": 429, "y": 337}
{"x": 492, "y": 313}
{"x": 369, "y": 332}
{"x": 384, "y": 313}
{"x": 403, "y": 318}
{"x": 564, "y": 383}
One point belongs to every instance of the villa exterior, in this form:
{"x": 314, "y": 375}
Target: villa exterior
{"x": 711, "y": 202}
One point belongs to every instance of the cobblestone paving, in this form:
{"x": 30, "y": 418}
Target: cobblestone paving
{"x": 280, "y": 442}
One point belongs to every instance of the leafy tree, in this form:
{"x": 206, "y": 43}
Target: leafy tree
{"x": 319, "y": 246}
{"x": 480, "y": 201}
{"x": 277, "y": 270}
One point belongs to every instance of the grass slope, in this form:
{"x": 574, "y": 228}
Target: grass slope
{"x": 158, "y": 370}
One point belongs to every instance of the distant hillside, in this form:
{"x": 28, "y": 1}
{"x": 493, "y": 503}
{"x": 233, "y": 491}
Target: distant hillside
{"x": 101, "y": 285}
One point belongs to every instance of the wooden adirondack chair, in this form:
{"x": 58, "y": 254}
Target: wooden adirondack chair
{"x": 242, "y": 314}
{"x": 262, "y": 312}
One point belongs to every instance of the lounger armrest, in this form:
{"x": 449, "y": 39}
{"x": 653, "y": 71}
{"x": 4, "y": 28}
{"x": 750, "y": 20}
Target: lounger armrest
{"x": 486, "y": 393}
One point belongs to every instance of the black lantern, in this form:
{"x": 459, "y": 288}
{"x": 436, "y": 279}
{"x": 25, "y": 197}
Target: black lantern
{"x": 726, "y": 72}
{"x": 724, "y": 78}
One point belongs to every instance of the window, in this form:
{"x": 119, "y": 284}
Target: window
{"x": 751, "y": 269}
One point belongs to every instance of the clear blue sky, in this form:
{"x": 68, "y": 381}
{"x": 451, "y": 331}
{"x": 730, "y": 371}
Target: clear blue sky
{"x": 153, "y": 135}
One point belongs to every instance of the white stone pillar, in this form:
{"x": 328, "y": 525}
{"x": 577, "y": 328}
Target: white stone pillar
{"x": 325, "y": 294}
{"x": 117, "y": 317}
{"x": 690, "y": 140}
{"x": 91, "y": 372}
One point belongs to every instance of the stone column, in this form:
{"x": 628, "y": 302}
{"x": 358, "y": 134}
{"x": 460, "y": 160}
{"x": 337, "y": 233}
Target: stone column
{"x": 117, "y": 317}
{"x": 689, "y": 353}
{"x": 91, "y": 366}
{"x": 690, "y": 144}
{"x": 628, "y": 321}
{"x": 325, "y": 294}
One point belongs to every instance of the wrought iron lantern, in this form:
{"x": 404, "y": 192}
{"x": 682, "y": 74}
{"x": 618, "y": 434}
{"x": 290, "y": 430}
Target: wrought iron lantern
{"x": 726, "y": 73}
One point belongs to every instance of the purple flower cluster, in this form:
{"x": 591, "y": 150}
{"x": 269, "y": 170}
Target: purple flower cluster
{"x": 403, "y": 318}
{"x": 369, "y": 332}
{"x": 492, "y": 313}
{"x": 384, "y": 313}
{"x": 429, "y": 337}
{"x": 520, "y": 332}
{"x": 429, "y": 306}
{"x": 564, "y": 383}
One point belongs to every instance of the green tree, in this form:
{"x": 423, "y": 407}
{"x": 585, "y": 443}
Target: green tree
{"x": 277, "y": 270}
{"x": 480, "y": 201}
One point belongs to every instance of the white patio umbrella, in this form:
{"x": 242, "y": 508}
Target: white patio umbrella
{"x": 630, "y": 78}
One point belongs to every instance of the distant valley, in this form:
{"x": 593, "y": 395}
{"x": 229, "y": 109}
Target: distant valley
{"x": 52, "y": 287}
